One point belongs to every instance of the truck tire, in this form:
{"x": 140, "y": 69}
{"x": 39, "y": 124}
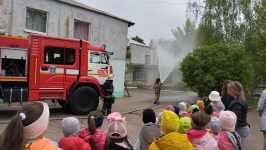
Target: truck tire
{"x": 84, "y": 100}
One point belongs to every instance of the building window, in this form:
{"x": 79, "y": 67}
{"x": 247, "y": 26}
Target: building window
{"x": 169, "y": 78}
{"x": 147, "y": 59}
{"x": 81, "y": 30}
{"x": 36, "y": 21}
{"x": 140, "y": 75}
{"x": 54, "y": 55}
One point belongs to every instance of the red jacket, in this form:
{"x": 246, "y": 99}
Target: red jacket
{"x": 99, "y": 138}
{"x": 73, "y": 143}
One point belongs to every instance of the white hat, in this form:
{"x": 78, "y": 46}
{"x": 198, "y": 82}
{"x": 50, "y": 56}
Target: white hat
{"x": 182, "y": 107}
{"x": 215, "y": 96}
{"x": 110, "y": 77}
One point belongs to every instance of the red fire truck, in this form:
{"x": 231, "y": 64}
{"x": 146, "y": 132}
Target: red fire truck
{"x": 43, "y": 67}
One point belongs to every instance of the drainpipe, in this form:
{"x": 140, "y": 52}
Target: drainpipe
{"x": 11, "y": 18}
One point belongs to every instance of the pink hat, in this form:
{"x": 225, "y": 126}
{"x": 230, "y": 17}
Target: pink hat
{"x": 227, "y": 121}
{"x": 117, "y": 126}
{"x": 114, "y": 114}
{"x": 170, "y": 107}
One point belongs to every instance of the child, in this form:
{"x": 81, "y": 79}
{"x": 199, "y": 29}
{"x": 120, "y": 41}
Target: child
{"x": 228, "y": 139}
{"x": 188, "y": 108}
{"x": 115, "y": 115}
{"x": 117, "y": 134}
{"x": 28, "y": 126}
{"x": 148, "y": 132}
{"x": 183, "y": 112}
{"x": 216, "y": 103}
{"x": 177, "y": 110}
{"x": 184, "y": 125}
{"x": 194, "y": 108}
{"x": 200, "y": 104}
{"x": 170, "y": 140}
{"x": 70, "y": 128}
{"x": 206, "y": 102}
{"x": 198, "y": 135}
{"x": 214, "y": 127}
{"x": 170, "y": 107}
{"x": 93, "y": 134}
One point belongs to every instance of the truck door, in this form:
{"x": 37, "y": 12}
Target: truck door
{"x": 98, "y": 66}
{"x": 52, "y": 64}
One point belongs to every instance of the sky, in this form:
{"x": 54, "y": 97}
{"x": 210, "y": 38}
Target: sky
{"x": 153, "y": 19}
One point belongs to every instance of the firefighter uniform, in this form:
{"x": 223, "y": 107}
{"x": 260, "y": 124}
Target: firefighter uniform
{"x": 108, "y": 97}
{"x": 157, "y": 89}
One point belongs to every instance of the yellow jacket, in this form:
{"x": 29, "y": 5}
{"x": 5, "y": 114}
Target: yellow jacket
{"x": 172, "y": 141}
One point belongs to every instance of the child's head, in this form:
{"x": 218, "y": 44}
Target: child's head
{"x": 70, "y": 126}
{"x": 214, "y": 125}
{"x": 30, "y": 122}
{"x": 199, "y": 120}
{"x": 215, "y": 96}
{"x": 148, "y": 116}
{"x": 177, "y": 109}
{"x": 170, "y": 107}
{"x": 227, "y": 120}
{"x": 188, "y": 108}
{"x": 182, "y": 107}
{"x": 117, "y": 131}
{"x": 169, "y": 122}
{"x": 95, "y": 120}
{"x": 200, "y": 104}
{"x": 206, "y": 101}
{"x": 194, "y": 108}
{"x": 114, "y": 114}
{"x": 184, "y": 125}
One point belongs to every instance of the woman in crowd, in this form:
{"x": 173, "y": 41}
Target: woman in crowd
{"x": 26, "y": 129}
{"x": 262, "y": 112}
{"x": 240, "y": 107}
{"x": 225, "y": 96}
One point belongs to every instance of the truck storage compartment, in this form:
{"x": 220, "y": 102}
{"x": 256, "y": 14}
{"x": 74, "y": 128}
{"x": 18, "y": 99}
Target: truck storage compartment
{"x": 13, "y": 62}
{"x": 18, "y": 94}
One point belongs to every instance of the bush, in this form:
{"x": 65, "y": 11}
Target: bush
{"x": 206, "y": 69}
{"x": 181, "y": 86}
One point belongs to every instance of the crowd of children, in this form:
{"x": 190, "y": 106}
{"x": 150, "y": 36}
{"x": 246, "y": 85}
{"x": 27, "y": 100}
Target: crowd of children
{"x": 203, "y": 126}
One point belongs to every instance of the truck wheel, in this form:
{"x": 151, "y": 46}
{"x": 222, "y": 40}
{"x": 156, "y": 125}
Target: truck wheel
{"x": 84, "y": 100}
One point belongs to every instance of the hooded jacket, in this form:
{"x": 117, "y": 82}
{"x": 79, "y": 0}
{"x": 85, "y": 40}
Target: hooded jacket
{"x": 226, "y": 143}
{"x": 201, "y": 140}
{"x": 170, "y": 140}
{"x": 99, "y": 138}
{"x": 43, "y": 144}
{"x": 217, "y": 107}
{"x": 146, "y": 135}
{"x": 73, "y": 143}
{"x": 226, "y": 99}
{"x": 262, "y": 110}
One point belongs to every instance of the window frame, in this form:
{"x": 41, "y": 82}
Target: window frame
{"x": 32, "y": 31}
{"x": 89, "y": 34}
{"x": 141, "y": 72}
{"x": 148, "y": 56}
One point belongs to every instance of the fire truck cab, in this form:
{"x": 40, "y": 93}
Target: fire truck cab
{"x": 43, "y": 67}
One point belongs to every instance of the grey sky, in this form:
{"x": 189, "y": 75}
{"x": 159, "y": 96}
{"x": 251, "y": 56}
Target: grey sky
{"x": 153, "y": 19}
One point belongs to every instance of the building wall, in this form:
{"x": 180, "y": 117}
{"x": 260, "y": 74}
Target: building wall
{"x": 138, "y": 53}
{"x": 103, "y": 29}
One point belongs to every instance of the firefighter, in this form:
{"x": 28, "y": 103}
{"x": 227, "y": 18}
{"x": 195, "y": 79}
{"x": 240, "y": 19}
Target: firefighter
{"x": 157, "y": 89}
{"x": 108, "y": 97}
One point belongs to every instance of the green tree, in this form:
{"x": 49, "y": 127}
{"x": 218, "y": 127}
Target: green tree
{"x": 138, "y": 39}
{"x": 226, "y": 21}
{"x": 260, "y": 37}
{"x": 185, "y": 38}
{"x": 206, "y": 69}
